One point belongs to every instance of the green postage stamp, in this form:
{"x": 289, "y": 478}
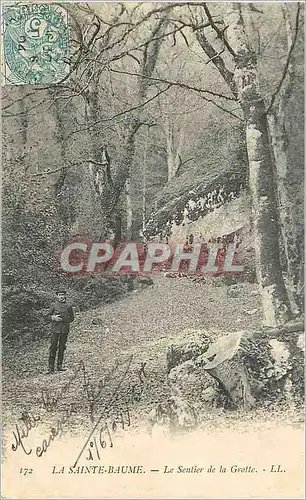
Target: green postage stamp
{"x": 34, "y": 44}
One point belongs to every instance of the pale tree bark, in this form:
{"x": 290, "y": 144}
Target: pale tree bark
{"x": 262, "y": 176}
{"x": 121, "y": 201}
{"x": 174, "y": 147}
{"x": 243, "y": 81}
{"x": 99, "y": 167}
{"x": 144, "y": 182}
{"x": 60, "y": 132}
{"x": 279, "y": 138}
{"x": 129, "y": 210}
{"x": 128, "y": 202}
{"x": 173, "y": 119}
{"x": 168, "y": 128}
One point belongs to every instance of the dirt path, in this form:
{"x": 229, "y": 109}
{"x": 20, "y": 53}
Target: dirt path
{"x": 141, "y": 324}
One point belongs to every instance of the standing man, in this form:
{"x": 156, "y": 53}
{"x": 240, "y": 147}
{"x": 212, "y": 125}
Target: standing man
{"x": 60, "y": 315}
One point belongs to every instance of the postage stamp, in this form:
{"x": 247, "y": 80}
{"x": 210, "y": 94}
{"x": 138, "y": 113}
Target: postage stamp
{"x": 34, "y": 44}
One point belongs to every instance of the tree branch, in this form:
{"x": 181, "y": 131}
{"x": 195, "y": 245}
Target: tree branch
{"x": 288, "y": 60}
{"x": 216, "y": 59}
{"x": 14, "y": 101}
{"x": 146, "y": 17}
{"x": 47, "y": 172}
{"x": 121, "y": 113}
{"x": 220, "y": 33}
{"x": 175, "y": 84}
{"x": 222, "y": 108}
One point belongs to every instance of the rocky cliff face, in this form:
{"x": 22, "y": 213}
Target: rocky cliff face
{"x": 187, "y": 201}
{"x": 231, "y": 217}
{"x": 217, "y": 209}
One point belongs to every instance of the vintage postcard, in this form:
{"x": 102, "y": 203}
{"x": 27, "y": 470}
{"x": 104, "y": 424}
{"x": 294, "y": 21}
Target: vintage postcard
{"x": 152, "y": 250}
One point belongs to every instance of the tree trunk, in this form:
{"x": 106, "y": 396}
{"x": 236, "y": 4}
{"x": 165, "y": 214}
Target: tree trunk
{"x": 110, "y": 193}
{"x": 288, "y": 228}
{"x": 60, "y": 125}
{"x": 117, "y": 227}
{"x": 262, "y": 181}
{"x": 100, "y": 182}
{"x": 122, "y": 181}
{"x": 170, "y": 151}
{"x": 110, "y": 186}
{"x": 21, "y": 146}
{"x": 144, "y": 183}
{"x": 129, "y": 210}
{"x": 173, "y": 152}
{"x": 279, "y": 138}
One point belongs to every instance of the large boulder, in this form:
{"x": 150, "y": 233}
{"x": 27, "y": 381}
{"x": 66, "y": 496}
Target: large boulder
{"x": 190, "y": 344}
{"x": 249, "y": 366}
{"x": 172, "y": 416}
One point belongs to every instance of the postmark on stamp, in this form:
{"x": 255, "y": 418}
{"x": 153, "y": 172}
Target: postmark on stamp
{"x": 34, "y": 43}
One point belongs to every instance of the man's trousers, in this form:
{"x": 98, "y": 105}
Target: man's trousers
{"x": 58, "y": 343}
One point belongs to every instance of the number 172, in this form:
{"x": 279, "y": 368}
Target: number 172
{"x": 25, "y": 471}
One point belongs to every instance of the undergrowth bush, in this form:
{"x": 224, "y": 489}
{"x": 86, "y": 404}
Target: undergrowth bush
{"x": 25, "y": 307}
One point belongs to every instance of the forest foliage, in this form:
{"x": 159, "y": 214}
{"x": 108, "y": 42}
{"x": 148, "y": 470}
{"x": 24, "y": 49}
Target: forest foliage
{"x": 142, "y": 85}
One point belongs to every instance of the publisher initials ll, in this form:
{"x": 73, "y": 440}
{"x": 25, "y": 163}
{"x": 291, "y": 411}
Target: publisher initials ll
{"x": 276, "y": 468}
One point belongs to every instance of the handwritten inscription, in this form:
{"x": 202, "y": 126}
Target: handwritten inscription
{"x": 111, "y": 396}
{"x": 109, "y": 403}
{"x": 94, "y": 395}
{"x": 105, "y": 435}
{"x": 22, "y": 431}
{"x": 50, "y": 399}
{"x": 54, "y": 432}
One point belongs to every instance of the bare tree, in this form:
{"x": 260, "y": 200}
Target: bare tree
{"x": 242, "y": 78}
{"x": 112, "y": 190}
{"x": 279, "y": 138}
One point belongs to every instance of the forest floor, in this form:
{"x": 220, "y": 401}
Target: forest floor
{"x": 140, "y": 325}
